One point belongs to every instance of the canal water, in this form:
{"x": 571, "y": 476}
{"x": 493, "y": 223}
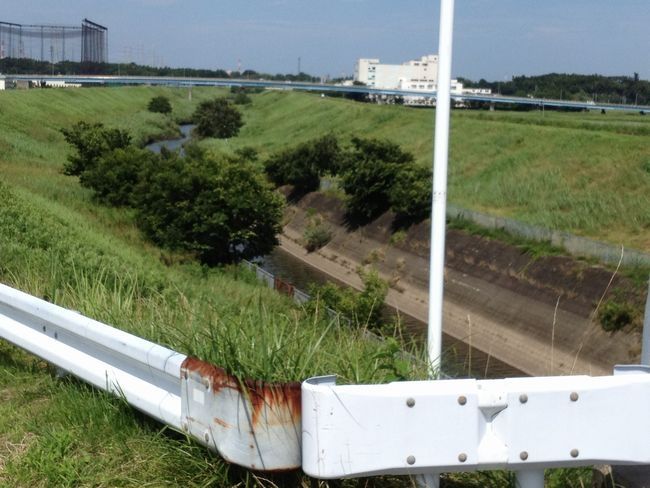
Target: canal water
{"x": 458, "y": 358}
{"x": 173, "y": 144}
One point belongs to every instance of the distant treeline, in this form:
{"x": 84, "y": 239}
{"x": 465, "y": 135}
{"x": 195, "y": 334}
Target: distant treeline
{"x": 15, "y": 66}
{"x": 606, "y": 89}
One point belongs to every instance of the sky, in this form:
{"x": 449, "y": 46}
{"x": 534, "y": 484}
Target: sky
{"x": 493, "y": 39}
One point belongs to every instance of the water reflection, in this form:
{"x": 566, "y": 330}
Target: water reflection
{"x": 173, "y": 144}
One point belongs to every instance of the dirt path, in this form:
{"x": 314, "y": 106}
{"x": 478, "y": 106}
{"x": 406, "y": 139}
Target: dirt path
{"x": 513, "y": 328}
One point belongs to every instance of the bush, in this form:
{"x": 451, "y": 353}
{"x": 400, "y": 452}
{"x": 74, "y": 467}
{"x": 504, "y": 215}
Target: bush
{"x": 363, "y": 308}
{"x": 303, "y": 165}
{"x": 217, "y": 118}
{"x": 91, "y": 141}
{"x": 219, "y": 208}
{"x": 160, "y": 104}
{"x": 317, "y": 234}
{"x": 614, "y": 315}
{"x": 242, "y": 99}
{"x": 369, "y": 171}
{"x": 117, "y": 174}
{"x": 410, "y": 196}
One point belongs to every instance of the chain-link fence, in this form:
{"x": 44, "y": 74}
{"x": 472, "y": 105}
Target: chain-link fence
{"x": 578, "y": 246}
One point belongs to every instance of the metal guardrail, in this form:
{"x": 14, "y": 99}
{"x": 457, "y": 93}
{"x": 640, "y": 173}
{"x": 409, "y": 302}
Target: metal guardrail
{"x": 342, "y": 431}
{"x": 250, "y": 423}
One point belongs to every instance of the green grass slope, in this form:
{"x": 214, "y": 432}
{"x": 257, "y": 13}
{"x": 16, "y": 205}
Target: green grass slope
{"x": 56, "y": 243}
{"x": 584, "y": 173}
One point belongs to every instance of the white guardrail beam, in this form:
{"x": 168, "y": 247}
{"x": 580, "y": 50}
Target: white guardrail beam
{"x": 345, "y": 431}
{"x": 253, "y": 424}
{"x": 518, "y": 424}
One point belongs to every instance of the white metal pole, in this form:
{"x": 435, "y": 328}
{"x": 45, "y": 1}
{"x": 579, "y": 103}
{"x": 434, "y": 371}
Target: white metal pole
{"x": 439, "y": 200}
{"x": 645, "y": 341}
{"x": 530, "y": 479}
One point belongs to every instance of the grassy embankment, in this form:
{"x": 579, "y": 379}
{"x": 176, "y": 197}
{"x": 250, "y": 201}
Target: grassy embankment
{"x": 584, "y": 173}
{"x": 57, "y": 243}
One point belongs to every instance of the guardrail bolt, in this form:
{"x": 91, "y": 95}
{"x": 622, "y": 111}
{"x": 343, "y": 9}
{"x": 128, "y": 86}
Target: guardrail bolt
{"x": 575, "y": 453}
{"x": 462, "y": 400}
{"x": 462, "y": 457}
{"x": 574, "y": 396}
{"x": 523, "y": 455}
{"x": 410, "y": 402}
{"x": 523, "y": 398}
{"x": 410, "y": 459}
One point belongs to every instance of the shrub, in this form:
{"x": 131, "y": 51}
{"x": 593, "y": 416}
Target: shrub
{"x": 317, "y": 234}
{"x": 614, "y": 315}
{"x": 242, "y": 99}
{"x": 410, "y": 196}
{"x": 247, "y": 153}
{"x": 91, "y": 141}
{"x": 368, "y": 173}
{"x": 116, "y": 174}
{"x": 219, "y": 208}
{"x": 364, "y": 308}
{"x": 160, "y": 104}
{"x": 217, "y": 118}
{"x": 303, "y": 165}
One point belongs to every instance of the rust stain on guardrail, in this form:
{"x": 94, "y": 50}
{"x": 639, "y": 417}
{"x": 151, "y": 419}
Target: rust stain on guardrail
{"x": 249, "y": 422}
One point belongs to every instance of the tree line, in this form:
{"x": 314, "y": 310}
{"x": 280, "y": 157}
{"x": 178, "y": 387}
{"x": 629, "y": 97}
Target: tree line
{"x": 17, "y": 66}
{"x": 604, "y": 89}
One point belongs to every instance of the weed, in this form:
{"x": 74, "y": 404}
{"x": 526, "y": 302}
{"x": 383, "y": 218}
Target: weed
{"x": 615, "y": 315}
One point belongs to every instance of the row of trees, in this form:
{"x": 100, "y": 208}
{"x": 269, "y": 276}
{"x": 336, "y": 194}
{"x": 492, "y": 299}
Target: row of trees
{"x": 376, "y": 175}
{"x": 219, "y": 208}
{"x": 614, "y": 89}
{"x": 32, "y": 66}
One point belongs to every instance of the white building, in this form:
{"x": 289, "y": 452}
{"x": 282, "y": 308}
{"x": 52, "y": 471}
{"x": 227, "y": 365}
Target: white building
{"x": 411, "y": 75}
{"x": 416, "y": 75}
{"x": 2, "y": 82}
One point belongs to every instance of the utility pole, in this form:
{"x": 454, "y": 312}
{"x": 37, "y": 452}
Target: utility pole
{"x": 299, "y": 70}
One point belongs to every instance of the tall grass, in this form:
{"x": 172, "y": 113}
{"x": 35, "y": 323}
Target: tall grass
{"x": 57, "y": 244}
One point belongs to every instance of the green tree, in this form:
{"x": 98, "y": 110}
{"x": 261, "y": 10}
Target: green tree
{"x": 219, "y": 208}
{"x": 369, "y": 171}
{"x": 217, "y": 118}
{"x": 303, "y": 165}
{"x": 90, "y": 142}
{"x": 410, "y": 196}
{"x": 117, "y": 174}
{"x": 160, "y": 104}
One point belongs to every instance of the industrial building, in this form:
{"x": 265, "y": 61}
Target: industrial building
{"x": 414, "y": 75}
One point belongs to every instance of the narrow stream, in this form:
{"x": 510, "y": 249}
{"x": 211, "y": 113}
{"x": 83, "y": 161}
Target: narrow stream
{"x": 173, "y": 144}
{"x": 458, "y": 359}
